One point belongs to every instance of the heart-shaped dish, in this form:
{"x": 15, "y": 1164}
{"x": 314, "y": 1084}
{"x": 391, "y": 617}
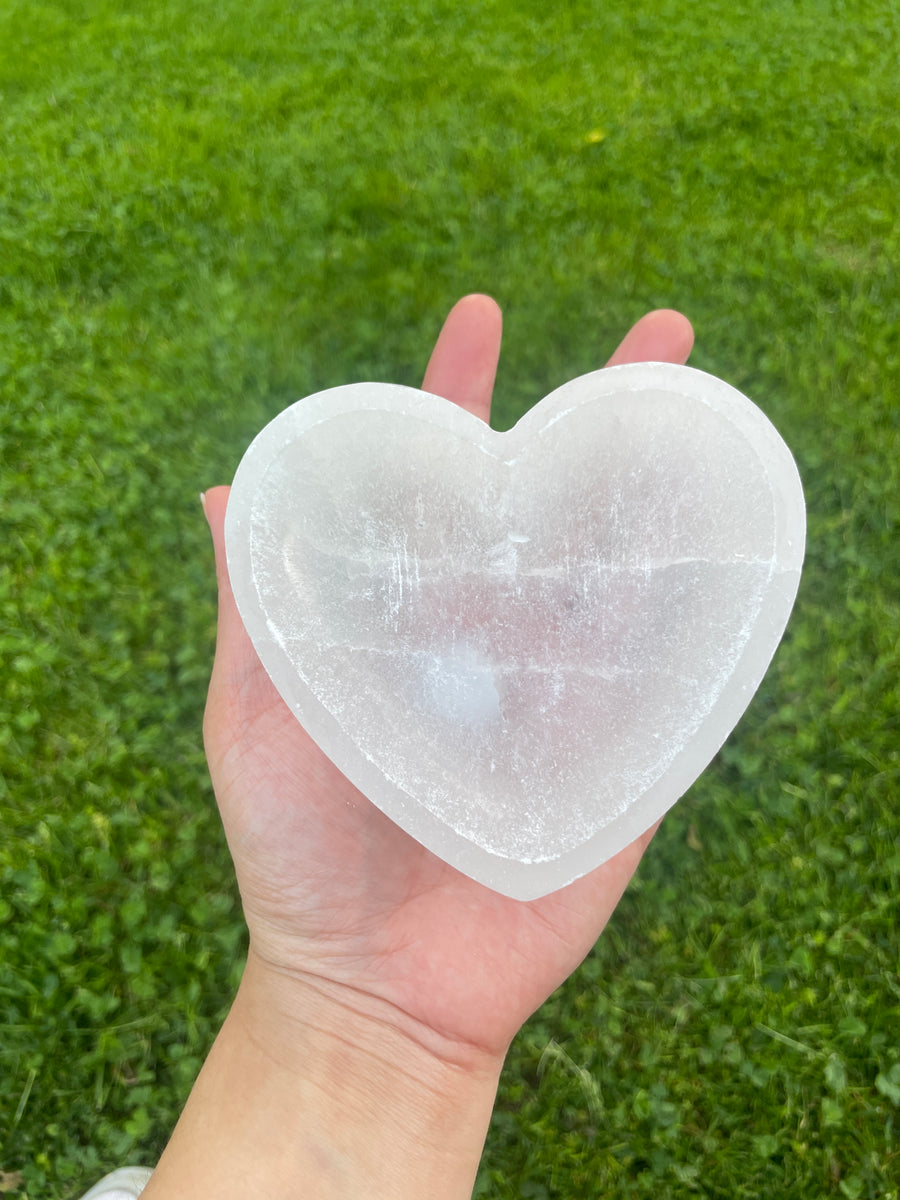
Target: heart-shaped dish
{"x": 523, "y": 646}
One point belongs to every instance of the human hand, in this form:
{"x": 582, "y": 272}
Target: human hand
{"x": 334, "y": 893}
{"x": 382, "y": 986}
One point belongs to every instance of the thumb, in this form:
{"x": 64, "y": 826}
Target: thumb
{"x": 236, "y": 659}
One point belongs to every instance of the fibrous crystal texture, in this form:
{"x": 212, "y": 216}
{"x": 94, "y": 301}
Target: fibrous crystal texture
{"x": 522, "y": 646}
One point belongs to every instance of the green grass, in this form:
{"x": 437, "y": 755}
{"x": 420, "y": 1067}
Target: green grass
{"x": 209, "y": 210}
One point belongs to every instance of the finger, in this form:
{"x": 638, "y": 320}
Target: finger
{"x": 660, "y": 336}
{"x": 463, "y": 364}
{"x": 234, "y": 651}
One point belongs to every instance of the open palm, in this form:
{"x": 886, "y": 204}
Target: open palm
{"x": 333, "y": 891}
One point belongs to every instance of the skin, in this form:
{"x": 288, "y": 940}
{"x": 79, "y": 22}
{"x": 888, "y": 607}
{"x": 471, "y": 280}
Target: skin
{"x": 382, "y": 987}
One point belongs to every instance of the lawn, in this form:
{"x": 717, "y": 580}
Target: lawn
{"x": 209, "y": 210}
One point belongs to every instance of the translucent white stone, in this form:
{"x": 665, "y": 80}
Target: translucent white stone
{"x": 524, "y": 646}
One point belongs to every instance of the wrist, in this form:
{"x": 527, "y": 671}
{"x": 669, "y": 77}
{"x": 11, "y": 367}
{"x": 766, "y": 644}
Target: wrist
{"x": 284, "y": 1008}
{"x": 313, "y": 1089}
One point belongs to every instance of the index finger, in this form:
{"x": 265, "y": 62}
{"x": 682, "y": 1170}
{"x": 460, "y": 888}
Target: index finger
{"x": 463, "y": 364}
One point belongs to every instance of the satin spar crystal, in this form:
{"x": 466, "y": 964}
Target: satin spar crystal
{"x": 522, "y": 646}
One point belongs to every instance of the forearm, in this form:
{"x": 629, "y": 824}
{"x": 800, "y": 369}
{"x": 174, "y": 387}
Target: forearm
{"x": 328, "y": 1102}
